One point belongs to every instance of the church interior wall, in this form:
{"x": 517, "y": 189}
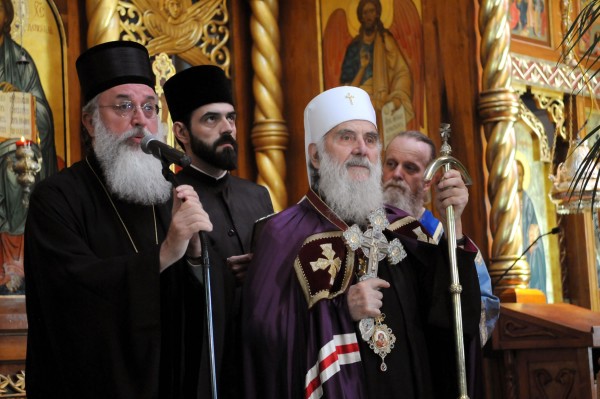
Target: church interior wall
{"x": 453, "y": 72}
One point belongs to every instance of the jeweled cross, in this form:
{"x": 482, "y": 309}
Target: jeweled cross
{"x": 373, "y": 243}
{"x": 376, "y": 247}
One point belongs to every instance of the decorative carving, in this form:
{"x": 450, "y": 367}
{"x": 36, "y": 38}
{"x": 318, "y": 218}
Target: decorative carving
{"x": 512, "y": 378}
{"x": 197, "y": 32}
{"x": 537, "y": 127}
{"x": 515, "y": 329}
{"x": 498, "y": 109}
{"x": 544, "y": 385}
{"x": 551, "y": 75}
{"x": 564, "y": 270}
{"x": 163, "y": 69}
{"x": 103, "y": 21}
{"x": 269, "y": 134}
{"x": 12, "y": 386}
{"x": 555, "y": 107}
{"x": 131, "y": 23}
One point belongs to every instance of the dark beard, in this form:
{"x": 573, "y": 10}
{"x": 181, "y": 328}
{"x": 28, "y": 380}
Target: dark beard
{"x": 226, "y": 159}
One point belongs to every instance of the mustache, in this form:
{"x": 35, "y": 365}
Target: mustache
{"x": 226, "y": 139}
{"x": 358, "y": 161}
{"x": 395, "y": 183}
{"x": 134, "y": 132}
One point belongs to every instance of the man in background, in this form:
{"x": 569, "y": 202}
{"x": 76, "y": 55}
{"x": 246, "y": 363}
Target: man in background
{"x": 406, "y": 158}
{"x": 201, "y": 105}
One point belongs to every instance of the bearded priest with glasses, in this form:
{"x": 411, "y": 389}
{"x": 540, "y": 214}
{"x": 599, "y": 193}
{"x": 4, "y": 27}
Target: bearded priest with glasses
{"x": 106, "y": 243}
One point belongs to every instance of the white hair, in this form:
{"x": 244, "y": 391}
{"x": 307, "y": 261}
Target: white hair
{"x": 131, "y": 174}
{"x": 397, "y": 193}
{"x": 351, "y": 200}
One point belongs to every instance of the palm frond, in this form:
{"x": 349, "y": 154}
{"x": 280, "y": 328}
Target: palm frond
{"x": 578, "y": 32}
{"x": 588, "y": 170}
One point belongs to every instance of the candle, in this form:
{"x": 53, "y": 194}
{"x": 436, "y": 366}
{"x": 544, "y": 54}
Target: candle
{"x": 23, "y": 142}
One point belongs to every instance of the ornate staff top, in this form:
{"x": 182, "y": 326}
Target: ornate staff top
{"x": 446, "y": 160}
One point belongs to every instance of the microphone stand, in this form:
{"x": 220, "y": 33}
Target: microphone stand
{"x": 553, "y": 231}
{"x": 170, "y": 176}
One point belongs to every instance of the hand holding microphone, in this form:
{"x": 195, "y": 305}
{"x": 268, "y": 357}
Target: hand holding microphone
{"x": 164, "y": 152}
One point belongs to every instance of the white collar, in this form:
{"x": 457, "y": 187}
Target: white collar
{"x": 222, "y": 175}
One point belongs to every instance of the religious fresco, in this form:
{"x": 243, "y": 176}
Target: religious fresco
{"x": 591, "y": 34}
{"x": 32, "y": 69}
{"x": 529, "y": 20}
{"x": 532, "y": 189}
{"x": 378, "y": 46}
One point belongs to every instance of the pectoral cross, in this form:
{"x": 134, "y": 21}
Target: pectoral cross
{"x": 376, "y": 247}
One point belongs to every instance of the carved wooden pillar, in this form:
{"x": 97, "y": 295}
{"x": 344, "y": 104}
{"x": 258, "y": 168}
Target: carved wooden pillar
{"x": 269, "y": 134}
{"x": 498, "y": 108}
{"x": 103, "y": 21}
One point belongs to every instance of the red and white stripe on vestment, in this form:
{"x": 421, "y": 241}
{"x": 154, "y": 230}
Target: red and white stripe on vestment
{"x": 342, "y": 349}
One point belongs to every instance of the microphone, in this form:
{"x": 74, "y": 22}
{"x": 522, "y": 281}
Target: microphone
{"x": 555, "y": 230}
{"x": 164, "y": 152}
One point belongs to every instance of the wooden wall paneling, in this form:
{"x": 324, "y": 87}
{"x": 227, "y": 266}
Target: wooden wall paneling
{"x": 73, "y": 16}
{"x": 581, "y": 262}
{"x": 75, "y": 26}
{"x": 300, "y": 81}
{"x": 13, "y": 335}
{"x": 452, "y": 89}
{"x": 546, "y": 350}
{"x": 241, "y": 72}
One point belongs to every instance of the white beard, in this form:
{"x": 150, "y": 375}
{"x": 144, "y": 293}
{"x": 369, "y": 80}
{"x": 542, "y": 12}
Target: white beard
{"x": 398, "y": 194}
{"x": 351, "y": 200}
{"x": 131, "y": 174}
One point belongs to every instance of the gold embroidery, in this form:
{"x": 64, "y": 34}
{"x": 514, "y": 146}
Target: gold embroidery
{"x": 328, "y": 262}
{"x": 346, "y": 268}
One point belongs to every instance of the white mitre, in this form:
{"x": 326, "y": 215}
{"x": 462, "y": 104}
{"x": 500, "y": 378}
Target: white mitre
{"x": 332, "y": 107}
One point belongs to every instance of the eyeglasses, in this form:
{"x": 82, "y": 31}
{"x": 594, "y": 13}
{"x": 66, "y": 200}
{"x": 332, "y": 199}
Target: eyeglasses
{"x": 126, "y": 109}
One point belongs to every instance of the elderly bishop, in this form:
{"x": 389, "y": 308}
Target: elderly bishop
{"x": 339, "y": 258}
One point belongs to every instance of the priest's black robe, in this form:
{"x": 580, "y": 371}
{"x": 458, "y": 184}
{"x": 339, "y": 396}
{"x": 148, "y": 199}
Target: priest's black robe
{"x": 103, "y": 322}
{"x": 233, "y": 204}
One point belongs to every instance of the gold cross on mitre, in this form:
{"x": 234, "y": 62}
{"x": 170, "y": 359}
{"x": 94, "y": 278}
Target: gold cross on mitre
{"x": 350, "y": 98}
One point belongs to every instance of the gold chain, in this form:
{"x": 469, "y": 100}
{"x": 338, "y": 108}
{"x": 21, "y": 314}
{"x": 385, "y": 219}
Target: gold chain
{"x": 117, "y": 212}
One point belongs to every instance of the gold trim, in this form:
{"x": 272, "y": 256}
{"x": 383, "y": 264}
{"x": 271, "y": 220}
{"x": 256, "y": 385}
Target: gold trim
{"x": 13, "y": 386}
{"x": 541, "y": 152}
{"x": 270, "y": 133}
{"x": 348, "y": 266}
{"x": 398, "y": 223}
{"x": 498, "y": 109}
{"x": 103, "y": 21}
{"x": 555, "y": 107}
{"x": 550, "y": 75}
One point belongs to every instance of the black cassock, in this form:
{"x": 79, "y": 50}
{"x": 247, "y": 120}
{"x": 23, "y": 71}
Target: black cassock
{"x": 423, "y": 362}
{"x": 233, "y": 204}
{"x": 103, "y": 322}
